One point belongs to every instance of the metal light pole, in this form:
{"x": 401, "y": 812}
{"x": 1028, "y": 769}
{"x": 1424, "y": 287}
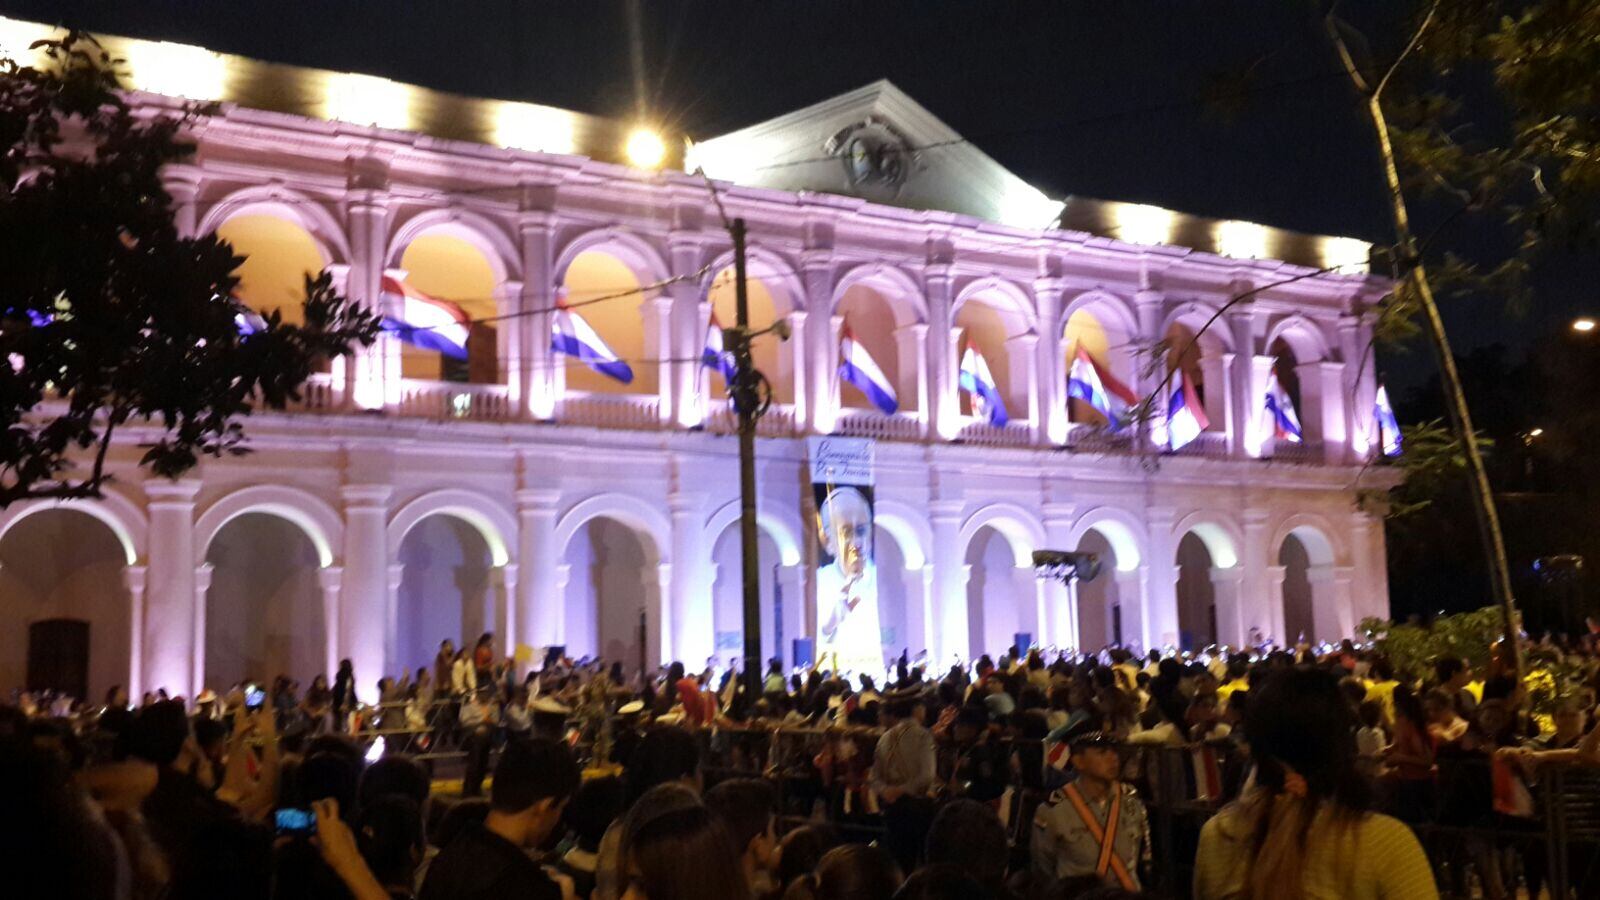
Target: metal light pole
{"x": 749, "y": 403}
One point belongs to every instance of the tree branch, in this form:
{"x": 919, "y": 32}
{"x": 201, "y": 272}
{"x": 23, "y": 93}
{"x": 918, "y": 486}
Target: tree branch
{"x": 1411, "y": 46}
{"x": 1331, "y": 24}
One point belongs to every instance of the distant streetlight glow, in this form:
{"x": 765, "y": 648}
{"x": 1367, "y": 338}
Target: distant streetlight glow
{"x": 1583, "y": 324}
{"x": 1536, "y": 432}
{"x": 646, "y": 149}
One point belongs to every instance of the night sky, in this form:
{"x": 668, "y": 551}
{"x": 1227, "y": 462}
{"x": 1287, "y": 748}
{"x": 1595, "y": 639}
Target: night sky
{"x": 1102, "y": 99}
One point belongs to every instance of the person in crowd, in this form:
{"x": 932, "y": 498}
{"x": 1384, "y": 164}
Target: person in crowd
{"x": 801, "y": 850}
{"x": 479, "y": 715}
{"x": 483, "y": 660}
{"x": 1409, "y": 761}
{"x": 611, "y": 872}
{"x": 1095, "y": 825}
{"x": 748, "y": 809}
{"x": 1445, "y": 725}
{"x": 903, "y": 772}
{"x": 1371, "y": 739}
{"x": 532, "y": 783}
{"x": 942, "y": 881}
{"x": 1451, "y": 675}
{"x": 317, "y": 706}
{"x": 849, "y": 872}
{"x": 444, "y": 664}
{"x": 1306, "y": 829}
{"x": 463, "y": 675}
{"x": 344, "y": 692}
{"x": 594, "y": 807}
{"x": 685, "y": 854}
{"x": 969, "y": 835}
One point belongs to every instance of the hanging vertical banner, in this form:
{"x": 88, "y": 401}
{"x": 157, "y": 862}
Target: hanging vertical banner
{"x": 848, "y": 637}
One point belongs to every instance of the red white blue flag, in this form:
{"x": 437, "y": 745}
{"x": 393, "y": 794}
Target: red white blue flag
{"x": 714, "y": 356}
{"x": 1280, "y": 407}
{"x": 1090, "y": 382}
{"x": 857, "y": 367}
{"x": 979, "y": 384}
{"x": 572, "y": 336}
{"x": 1388, "y": 426}
{"x": 424, "y": 321}
{"x": 1186, "y": 418}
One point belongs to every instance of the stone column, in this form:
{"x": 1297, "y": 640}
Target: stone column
{"x": 1249, "y": 385}
{"x": 183, "y": 185}
{"x": 1370, "y": 589}
{"x": 563, "y": 577}
{"x": 911, "y": 342}
{"x": 949, "y": 601}
{"x": 197, "y": 671}
{"x": 1332, "y": 616}
{"x": 801, "y": 369}
{"x": 375, "y": 370}
{"x": 1359, "y": 383}
{"x": 687, "y": 598}
{"x": 1159, "y": 615}
{"x": 792, "y": 584}
{"x": 1027, "y": 585}
{"x": 329, "y": 579}
{"x": 391, "y": 611}
{"x": 1258, "y": 429}
{"x": 1024, "y": 369}
{"x": 1226, "y": 594}
{"x": 657, "y": 619}
{"x": 169, "y": 620}
{"x": 537, "y": 230}
{"x": 820, "y": 340}
{"x": 504, "y": 578}
{"x": 1258, "y": 607}
{"x": 363, "y": 610}
{"x": 1052, "y": 361}
{"x": 921, "y": 620}
{"x": 1275, "y": 623}
{"x": 1056, "y": 598}
{"x": 133, "y": 578}
{"x": 944, "y": 408}
{"x": 1148, "y": 371}
{"x": 688, "y": 316}
{"x": 1131, "y": 599}
{"x": 1323, "y": 419}
{"x": 543, "y": 617}
{"x": 658, "y": 340}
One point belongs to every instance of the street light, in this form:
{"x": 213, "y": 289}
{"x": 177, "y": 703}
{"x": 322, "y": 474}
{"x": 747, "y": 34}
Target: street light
{"x": 645, "y": 148}
{"x": 1583, "y": 324}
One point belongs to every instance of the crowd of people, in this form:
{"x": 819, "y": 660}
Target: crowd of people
{"x": 1016, "y": 777}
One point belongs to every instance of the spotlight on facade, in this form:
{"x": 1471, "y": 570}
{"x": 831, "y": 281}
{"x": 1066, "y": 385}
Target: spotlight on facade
{"x": 646, "y": 149}
{"x": 1583, "y": 324}
{"x": 1065, "y": 566}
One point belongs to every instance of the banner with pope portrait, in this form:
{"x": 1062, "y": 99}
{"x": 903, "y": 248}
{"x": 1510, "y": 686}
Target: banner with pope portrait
{"x": 848, "y": 635}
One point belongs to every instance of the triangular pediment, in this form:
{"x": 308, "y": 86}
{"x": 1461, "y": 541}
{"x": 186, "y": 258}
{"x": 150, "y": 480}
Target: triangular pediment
{"x": 878, "y": 144}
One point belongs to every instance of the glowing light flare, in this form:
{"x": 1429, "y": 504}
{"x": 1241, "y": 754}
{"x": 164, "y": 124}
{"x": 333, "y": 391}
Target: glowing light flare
{"x": 176, "y": 70}
{"x": 1024, "y": 206}
{"x": 645, "y": 148}
{"x": 1139, "y": 223}
{"x": 1583, "y": 324}
{"x": 367, "y": 100}
{"x": 526, "y": 126}
{"x": 1242, "y": 240}
{"x": 1348, "y": 255}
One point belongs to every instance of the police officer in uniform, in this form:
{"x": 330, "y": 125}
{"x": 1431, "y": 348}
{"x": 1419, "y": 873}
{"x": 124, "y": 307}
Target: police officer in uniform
{"x": 1095, "y": 825}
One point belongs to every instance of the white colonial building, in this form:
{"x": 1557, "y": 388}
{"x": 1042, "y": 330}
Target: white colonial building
{"x": 411, "y": 498}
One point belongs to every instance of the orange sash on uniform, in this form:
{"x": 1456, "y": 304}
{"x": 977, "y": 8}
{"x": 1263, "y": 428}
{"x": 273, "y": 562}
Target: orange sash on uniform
{"x": 1107, "y": 836}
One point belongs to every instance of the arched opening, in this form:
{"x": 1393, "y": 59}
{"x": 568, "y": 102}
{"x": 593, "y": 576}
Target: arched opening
{"x": 876, "y": 322}
{"x": 727, "y": 598}
{"x": 1201, "y": 361}
{"x": 1102, "y": 621}
{"x": 625, "y": 323}
{"x": 264, "y": 612}
{"x": 766, "y": 305}
{"x": 278, "y": 255}
{"x": 1197, "y": 605}
{"x": 1298, "y": 618}
{"x": 1000, "y": 594}
{"x": 446, "y": 590}
{"x": 450, "y": 268}
{"x": 613, "y": 585}
{"x": 64, "y": 564}
{"x": 1095, "y": 331}
{"x": 989, "y": 328}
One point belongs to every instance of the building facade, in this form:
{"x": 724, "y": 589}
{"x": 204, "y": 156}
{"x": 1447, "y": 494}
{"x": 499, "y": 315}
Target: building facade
{"x": 410, "y": 498}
